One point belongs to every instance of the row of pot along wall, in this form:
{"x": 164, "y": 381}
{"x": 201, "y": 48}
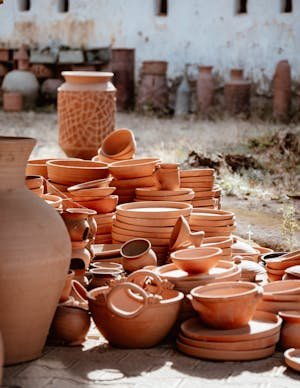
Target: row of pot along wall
{"x": 37, "y": 83}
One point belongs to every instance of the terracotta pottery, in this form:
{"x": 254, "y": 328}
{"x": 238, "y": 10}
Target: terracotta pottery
{"x": 135, "y": 168}
{"x": 67, "y": 287}
{"x": 284, "y": 261}
{"x": 147, "y": 181}
{"x": 37, "y": 167}
{"x": 12, "y": 101}
{"x": 98, "y": 183}
{"x": 115, "y": 312}
{"x": 276, "y": 306}
{"x": 102, "y": 276}
{"x": 293, "y": 271}
{"x": 69, "y": 172}
{"x": 282, "y": 90}
{"x": 105, "y": 251}
{"x": 289, "y": 337}
{"x": 81, "y": 256}
{"x": 137, "y": 253}
{"x": 52, "y": 200}
{"x": 180, "y": 237}
{"x": 291, "y": 287}
{"x": 105, "y": 205}
{"x": 205, "y": 88}
{"x": 150, "y": 210}
{"x": 266, "y": 257}
{"x": 237, "y": 93}
{"x": 33, "y": 299}
{"x": 235, "y": 303}
{"x": 197, "y": 260}
{"x": 119, "y": 142}
{"x": 197, "y": 172}
{"x": 70, "y": 324}
{"x": 168, "y": 176}
{"x": 33, "y": 181}
{"x": 86, "y": 112}
{"x": 76, "y": 221}
{"x": 163, "y": 231}
{"x": 93, "y": 193}
{"x": 55, "y": 188}
{"x": 160, "y": 223}
{"x": 292, "y": 358}
{"x": 107, "y": 265}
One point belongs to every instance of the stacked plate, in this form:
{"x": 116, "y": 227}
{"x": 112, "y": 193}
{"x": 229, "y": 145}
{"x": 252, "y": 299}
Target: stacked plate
{"x": 252, "y": 342}
{"x": 214, "y": 223}
{"x": 202, "y": 183}
{"x": 277, "y": 266}
{"x": 282, "y": 295}
{"x": 107, "y": 253}
{"x": 152, "y": 194}
{"x": 153, "y": 221}
{"x": 223, "y": 242}
{"x": 130, "y": 174}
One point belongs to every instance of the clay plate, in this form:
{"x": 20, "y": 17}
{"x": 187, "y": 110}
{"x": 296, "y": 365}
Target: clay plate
{"x": 225, "y": 355}
{"x": 292, "y": 358}
{"x": 154, "y": 210}
{"x": 262, "y": 325}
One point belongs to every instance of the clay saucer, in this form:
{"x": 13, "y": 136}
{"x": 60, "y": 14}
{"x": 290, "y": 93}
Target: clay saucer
{"x": 197, "y": 260}
{"x": 203, "y": 194}
{"x": 97, "y": 192}
{"x": 293, "y": 271}
{"x": 208, "y": 214}
{"x": 154, "y": 210}
{"x": 118, "y": 228}
{"x": 134, "y": 168}
{"x": 228, "y": 355}
{"x": 196, "y": 172}
{"x": 105, "y": 205}
{"x": 291, "y": 287}
{"x": 139, "y": 228}
{"x": 259, "y": 343}
{"x": 262, "y": 324}
{"x": 292, "y": 358}
{"x": 91, "y": 184}
{"x": 185, "y": 197}
{"x": 120, "y": 238}
{"x": 106, "y": 250}
{"x": 162, "y": 193}
{"x": 168, "y": 222}
{"x": 192, "y": 179}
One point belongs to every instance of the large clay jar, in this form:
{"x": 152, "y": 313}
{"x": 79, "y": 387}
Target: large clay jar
{"x": 282, "y": 90}
{"x": 33, "y": 237}
{"x": 205, "y": 88}
{"x": 237, "y": 93}
{"x": 86, "y": 112}
{"x": 137, "y": 254}
{"x": 289, "y": 337}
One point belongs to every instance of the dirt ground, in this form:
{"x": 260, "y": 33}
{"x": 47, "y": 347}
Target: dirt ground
{"x": 258, "y": 196}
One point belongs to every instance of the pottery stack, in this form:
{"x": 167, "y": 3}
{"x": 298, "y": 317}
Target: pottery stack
{"x": 35, "y": 184}
{"x": 228, "y": 327}
{"x": 223, "y": 242}
{"x": 201, "y": 181}
{"x": 117, "y": 146}
{"x": 244, "y": 249}
{"x": 214, "y": 223}
{"x": 98, "y": 196}
{"x": 131, "y": 174}
{"x": 153, "y": 221}
{"x": 277, "y": 265}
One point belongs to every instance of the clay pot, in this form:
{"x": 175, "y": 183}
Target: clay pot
{"x": 70, "y": 172}
{"x": 180, "y": 237}
{"x": 196, "y": 260}
{"x": 33, "y": 182}
{"x": 86, "y": 112}
{"x": 104, "y": 205}
{"x": 53, "y": 200}
{"x": 92, "y": 193}
{"x": 168, "y": 176}
{"x": 205, "y": 88}
{"x": 32, "y": 298}
{"x": 102, "y": 276}
{"x": 137, "y": 253}
{"x": 148, "y": 181}
{"x": 115, "y": 312}
{"x": 226, "y": 305}
{"x": 237, "y": 93}
{"x": 70, "y": 324}
{"x": 37, "y": 167}
{"x": 266, "y": 257}
{"x": 136, "y": 168}
{"x": 282, "y": 89}
{"x": 119, "y": 143}
{"x": 79, "y": 294}
{"x": 292, "y": 358}
{"x": 67, "y": 287}
{"x": 289, "y": 337}
{"x": 12, "y": 102}
{"x": 76, "y": 221}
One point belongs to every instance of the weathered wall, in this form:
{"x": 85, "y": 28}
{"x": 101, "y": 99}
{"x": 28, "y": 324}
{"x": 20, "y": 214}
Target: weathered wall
{"x": 195, "y": 31}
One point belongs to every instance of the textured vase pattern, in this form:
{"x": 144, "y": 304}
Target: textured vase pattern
{"x": 85, "y": 119}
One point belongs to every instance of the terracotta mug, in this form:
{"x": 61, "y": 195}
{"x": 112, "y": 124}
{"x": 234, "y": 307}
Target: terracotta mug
{"x": 168, "y": 176}
{"x": 127, "y": 289}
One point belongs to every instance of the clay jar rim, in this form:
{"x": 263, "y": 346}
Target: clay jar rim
{"x": 196, "y": 252}
{"x": 145, "y": 248}
{"x": 125, "y": 141}
{"x": 251, "y": 288}
{"x": 86, "y": 77}
{"x": 77, "y": 164}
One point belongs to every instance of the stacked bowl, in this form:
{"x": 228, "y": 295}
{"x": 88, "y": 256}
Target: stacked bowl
{"x": 223, "y": 242}
{"x": 202, "y": 183}
{"x": 277, "y": 263}
{"x": 35, "y": 184}
{"x": 214, "y": 223}
{"x": 98, "y": 196}
{"x": 153, "y": 221}
{"x": 131, "y": 174}
{"x": 152, "y": 194}
{"x": 118, "y": 145}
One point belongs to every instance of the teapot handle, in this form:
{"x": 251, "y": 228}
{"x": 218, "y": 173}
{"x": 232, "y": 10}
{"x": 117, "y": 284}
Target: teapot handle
{"x": 126, "y": 287}
{"x": 140, "y": 277}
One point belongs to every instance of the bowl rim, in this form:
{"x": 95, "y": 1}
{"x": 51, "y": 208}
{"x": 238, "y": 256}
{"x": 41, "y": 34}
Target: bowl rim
{"x": 214, "y": 252}
{"x": 60, "y": 163}
{"x": 252, "y": 288}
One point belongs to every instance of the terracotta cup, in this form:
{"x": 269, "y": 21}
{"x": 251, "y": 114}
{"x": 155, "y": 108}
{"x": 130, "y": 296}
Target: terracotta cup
{"x": 137, "y": 253}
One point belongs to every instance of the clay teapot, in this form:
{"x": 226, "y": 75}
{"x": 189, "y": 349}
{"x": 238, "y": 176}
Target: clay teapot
{"x": 137, "y": 253}
{"x": 289, "y": 337}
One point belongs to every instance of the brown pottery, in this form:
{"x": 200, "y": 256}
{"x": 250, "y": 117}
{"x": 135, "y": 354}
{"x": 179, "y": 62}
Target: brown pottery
{"x": 137, "y": 253}
{"x": 289, "y": 337}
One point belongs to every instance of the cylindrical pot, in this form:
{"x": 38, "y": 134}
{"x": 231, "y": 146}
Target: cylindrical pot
{"x": 34, "y": 238}
{"x": 86, "y": 112}
{"x": 205, "y": 88}
{"x": 282, "y": 90}
{"x": 12, "y": 101}
{"x": 289, "y": 336}
{"x": 137, "y": 254}
{"x": 237, "y": 93}
{"x": 168, "y": 176}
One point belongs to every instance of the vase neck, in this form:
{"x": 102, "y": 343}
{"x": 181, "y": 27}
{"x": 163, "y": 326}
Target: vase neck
{"x": 14, "y": 153}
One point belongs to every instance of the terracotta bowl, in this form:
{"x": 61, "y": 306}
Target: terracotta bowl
{"x": 37, "y": 167}
{"x": 86, "y": 77}
{"x": 52, "y": 200}
{"x": 291, "y": 287}
{"x": 34, "y": 181}
{"x": 91, "y": 194}
{"x": 267, "y": 256}
{"x": 117, "y": 143}
{"x": 76, "y": 171}
{"x": 147, "y": 181}
{"x": 106, "y": 159}
{"x": 226, "y": 305}
{"x": 105, "y": 205}
{"x": 292, "y": 358}
{"x": 135, "y": 168}
{"x": 98, "y": 183}
{"x": 197, "y": 172}
{"x": 197, "y": 260}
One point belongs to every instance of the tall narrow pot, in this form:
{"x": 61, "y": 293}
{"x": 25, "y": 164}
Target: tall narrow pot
{"x": 35, "y": 252}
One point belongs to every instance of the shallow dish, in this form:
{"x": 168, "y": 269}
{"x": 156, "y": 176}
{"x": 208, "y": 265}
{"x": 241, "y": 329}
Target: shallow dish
{"x": 292, "y": 358}
{"x": 134, "y": 168}
{"x": 154, "y": 210}
{"x": 91, "y": 184}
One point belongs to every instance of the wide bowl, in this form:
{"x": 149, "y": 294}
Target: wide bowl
{"x": 76, "y": 171}
{"x": 196, "y": 260}
{"x": 104, "y": 205}
{"x": 118, "y": 143}
{"x": 133, "y": 168}
{"x": 226, "y": 305}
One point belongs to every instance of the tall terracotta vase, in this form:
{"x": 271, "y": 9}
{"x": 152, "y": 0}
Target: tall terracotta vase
{"x": 205, "y": 88}
{"x": 35, "y": 252}
{"x": 237, "y": 93}
{"x": 86, "y": 112}
{"x": 282, "y": 90}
